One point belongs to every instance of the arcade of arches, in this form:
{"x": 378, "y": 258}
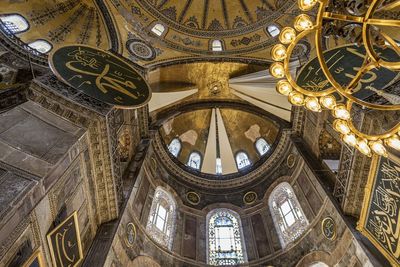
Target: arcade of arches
{"x": 217, "y": 169}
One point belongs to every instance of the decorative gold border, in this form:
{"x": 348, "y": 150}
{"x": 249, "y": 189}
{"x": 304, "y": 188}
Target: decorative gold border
{"x": 78, "y": 237}
{"x": 251, "y": 202}
{"x": 37, "y": 254}
{"x": 366, "y": 205}
{"x": 53, "y": 69}
{"x": 126, "y": 233}
{"x": 322, "y": 228}
{"x": 191, "y": 202}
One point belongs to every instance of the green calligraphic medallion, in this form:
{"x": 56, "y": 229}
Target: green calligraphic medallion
{"x": 380, "y": 217}
{"x": 101, "y": 75}
{"x": 344, "y": 63}
{"x": 65, "y": 243}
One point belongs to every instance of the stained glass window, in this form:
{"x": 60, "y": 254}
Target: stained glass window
{"x": 158, "y": 29}
{"x": 289, "y": 219}
{"x": 262, "y": 146}
{"x": 15, "y": 23}
{"x": 225, "y": 246}
{"x": 242, "y": 160}
{"x": 41, "y": 45}
{"x": 273, "y": 30}
{"x": 161, "y": 222}
{"x": 175, "y": 147}
{"x": 194, "y": 160}
{"x": 216, "y": 46}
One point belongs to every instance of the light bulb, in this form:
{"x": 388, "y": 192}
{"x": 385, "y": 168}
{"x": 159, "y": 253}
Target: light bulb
{"x": 287, "y": 35}
{"x": 393, "y": 142}
{"x": 341, "y": 112}
{"x": 350, "y": 139}
{"x": 341, "y": 126}
{"x": 277, "y": 70}
{"x": 283, "y": 87}
{"x": 296, "y": 98}
{"x": 328, "y": 101}
{"x": 312, "y": 104}
{"x": 306, "y": 4}
{"x": 303, "y": 22}
{"x": 378, "y": 148}
{"x": 278, "y": 52}
{"x": 363, "y": 147}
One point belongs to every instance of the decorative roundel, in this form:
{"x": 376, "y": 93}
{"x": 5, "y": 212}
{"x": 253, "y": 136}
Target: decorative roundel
{"x": 193, "y": 198}
{"x": 328, "y": 227}
{"x": 140, "y": 49}
{"x": 130, "y": 234}
{"x": 291, "y": 160}
{"x": 250, "y": 197}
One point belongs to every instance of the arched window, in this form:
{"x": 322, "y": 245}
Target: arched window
{"x": 41, "y": 45}
{"x": 319, "y": 264}
{"x": 158, "y": 29}
{"x": 161, "y": 222}
{"x": 225, "y": 238}
{"x": 194, "y": 160}
{"x": 175, "y": 147}
{"x": 218, "y": 166}
{"x": 216, "y": 46}
{"x": 273, "y": 30}
{"x": 15, "y": 23}
{"x": 262, "y": 146}
{"x": 289, "y": 219}
{"x": 242, "y": 160}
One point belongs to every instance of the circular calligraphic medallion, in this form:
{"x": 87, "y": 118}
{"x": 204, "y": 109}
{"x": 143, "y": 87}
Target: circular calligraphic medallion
{"x": 328, "y": 226}
{"x": 193, "y": 198}
{"x": 130, "y": 234}
{"x": 250, "y": 197}
{"x": 344, "y": 63}
{"x": 291, "y": 160}
{"x": 101, "y": 75}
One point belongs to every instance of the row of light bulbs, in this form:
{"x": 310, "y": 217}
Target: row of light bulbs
{"x": 341, "y": 124}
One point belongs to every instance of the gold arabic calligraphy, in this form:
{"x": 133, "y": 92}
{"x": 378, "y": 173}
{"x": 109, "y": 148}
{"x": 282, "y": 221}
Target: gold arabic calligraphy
{"x": 104, "y": 79}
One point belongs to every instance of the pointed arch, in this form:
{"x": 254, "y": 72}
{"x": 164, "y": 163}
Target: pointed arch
{"x": 194, "y": 160}
{"x": 175, "y": 147}
{"x": 225, "y": 242}
{"x": 262, "y": 146}
{"x": 242, "y": 160}
{"x": 162, "y": 218}
{"x": 15, "y": 23}
{"x": 288, "y": 216}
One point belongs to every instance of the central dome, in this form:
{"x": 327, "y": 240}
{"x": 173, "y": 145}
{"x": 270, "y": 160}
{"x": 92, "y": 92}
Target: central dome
{"x": 213, "y": 18}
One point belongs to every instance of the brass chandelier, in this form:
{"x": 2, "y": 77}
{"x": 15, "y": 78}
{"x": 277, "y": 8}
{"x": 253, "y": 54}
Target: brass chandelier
{"x": 313, "y": 100}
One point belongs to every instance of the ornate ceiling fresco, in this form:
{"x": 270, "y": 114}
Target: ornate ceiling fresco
{"x": 60, "y": 22}
{"x": 191, "y": 26}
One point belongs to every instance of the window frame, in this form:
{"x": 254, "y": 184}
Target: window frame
{"x": 277, "y": 27}
{"x": 259, "y": 140}
{"x": 180, "y": 147}
{"x": 156, "y": 31}
{"x": 239, "y": 228}
{"x": 41, "y": 40}
{"x": 237, "y": 163}
{"x": 221, "y": 46}
{"x": 200, "y": 163}
{"x": 15, "y": 14}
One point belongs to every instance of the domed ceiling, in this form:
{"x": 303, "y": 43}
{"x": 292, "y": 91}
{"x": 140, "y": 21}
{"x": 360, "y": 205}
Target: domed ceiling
{"x": 219, "y": 133}
{"x": 60, "y": 22}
